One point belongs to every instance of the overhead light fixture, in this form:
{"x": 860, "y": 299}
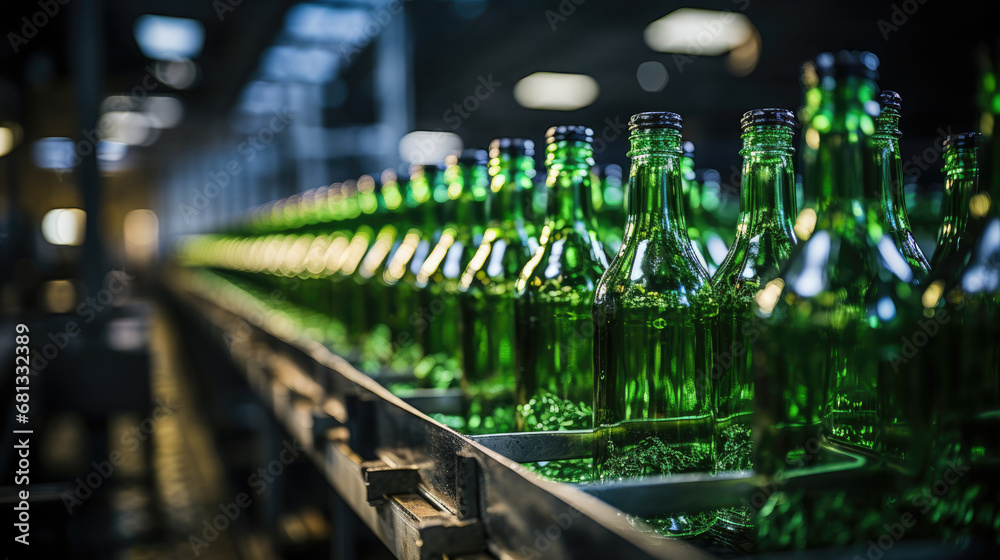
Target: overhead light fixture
{"x": 178, "y": 74}
{"x": 294, "y": 64}
{"x": 6, "y": 140}
{"x": 698, "y": 32}
{"x": 64, "y": 226}
{"x": 162, "y": 111}
{"x": 742, "y": 60}
{"x": 316, "y": 23}
{"x": 422, "y": 147}
{"x": 556, "y": 91}
{"x": 111, "y": 151}
{"x": 169, "y": 38}
{"x": 129, "y": 127}
{"x": 54, "y": 153}
{"x": 260, "y": 97}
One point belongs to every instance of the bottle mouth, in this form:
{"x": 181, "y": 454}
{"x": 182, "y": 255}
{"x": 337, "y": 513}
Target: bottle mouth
{"x": 961, "y": 140}
{"x": 889, "y": 99}
{"x": 771, "y": 116}
{"x": 655, "y": 119}
{"x": 513, "y": 146}
{"x": 574, "y": 132}
{"x": 847, "y": 63}
{"x": 473, "y": 156}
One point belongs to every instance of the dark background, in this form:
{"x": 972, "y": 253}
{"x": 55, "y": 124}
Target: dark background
{"x": 930, "y": 59}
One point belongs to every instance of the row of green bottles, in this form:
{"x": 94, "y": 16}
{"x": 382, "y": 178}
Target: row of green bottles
{"x": 800, "y": 336}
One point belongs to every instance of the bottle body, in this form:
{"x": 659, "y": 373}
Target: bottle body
{"x": 488, "y": 287}
{"x": 555, "y": 292}
{"x": 653, "y": 314}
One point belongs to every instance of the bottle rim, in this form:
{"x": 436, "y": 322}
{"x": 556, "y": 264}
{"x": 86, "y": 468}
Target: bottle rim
{"x": 513, "y": 146}
{"x": 771, "y": 116}
{"x": 655, "y": 119}
{"x": 473, "y": 156}
{"x": 961, "y": 140}
{"x": 572, "y": 132}
{"x": 889, "y": 99}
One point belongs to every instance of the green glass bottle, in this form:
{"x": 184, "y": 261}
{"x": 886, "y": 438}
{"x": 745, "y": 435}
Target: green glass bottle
{"x": 961, "y": 171}
{"x": 404, "y": 265}
{"x": 693, "y": 217}
{"x": 764, "y": 240}
{"x": 891, "y": 196}
{"x": 945, "y": 425}
{"x": 366, "y": 225}
{"x": 488, "y": 290}
{"x": 555, "y": 294}
{"x": 610, "y": 212}
{"x": 653, "y": 313}
{"x": 464, "y": 220}
{"x": 816, "y": 360}
{"x": 377, "y": 347}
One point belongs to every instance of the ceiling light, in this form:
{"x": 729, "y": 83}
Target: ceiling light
{"x": 169, "y": 38}
{"x": 64, "y": 226}
{"x": 428, "y": 147}
{"x": 698, "y": 32}
{"x": 293, "y": 64}
{"x": 555, "y": 91}
{"x": 312, "y": 22}
{"x": 178, "y": 74}
{"x": 54, "y": 153}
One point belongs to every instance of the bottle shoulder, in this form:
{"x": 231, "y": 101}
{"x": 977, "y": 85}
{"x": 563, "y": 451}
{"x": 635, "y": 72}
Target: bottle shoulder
{"x": 497, "y": 261}
{"x": 653, "y": 274}
{"x": 752, "y": 261}
{"x": 570, "y": 260}
{"x": 839, "y": 280}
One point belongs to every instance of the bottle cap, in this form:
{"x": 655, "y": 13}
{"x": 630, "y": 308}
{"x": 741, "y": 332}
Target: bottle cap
{"x": 847, "y": 63}
{"x": 769, "y": 116}
{"x": 890, "y": 99}
{"x": 569, "y": 132}
{"x": 961, "y": 140}
{"x": 655, "y": 119}
{"x": 513, "y": 146}
{"x": 473, "y": 156}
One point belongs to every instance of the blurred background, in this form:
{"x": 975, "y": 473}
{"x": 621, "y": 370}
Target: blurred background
{"x": 127, "y": 124}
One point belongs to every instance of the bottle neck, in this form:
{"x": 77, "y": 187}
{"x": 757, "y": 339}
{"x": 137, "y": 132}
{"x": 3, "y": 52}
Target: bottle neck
{"x": 511, "y": 181}
{"x": 767, "y": 189}
{"x": 844, "y": 157}
{"x": 570, "y": 201}
{"x": 655, "y": 189}
{"x": 961, "y": 183}
{"x": 891, "y": 196}
{"x": 471, "y": 207}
